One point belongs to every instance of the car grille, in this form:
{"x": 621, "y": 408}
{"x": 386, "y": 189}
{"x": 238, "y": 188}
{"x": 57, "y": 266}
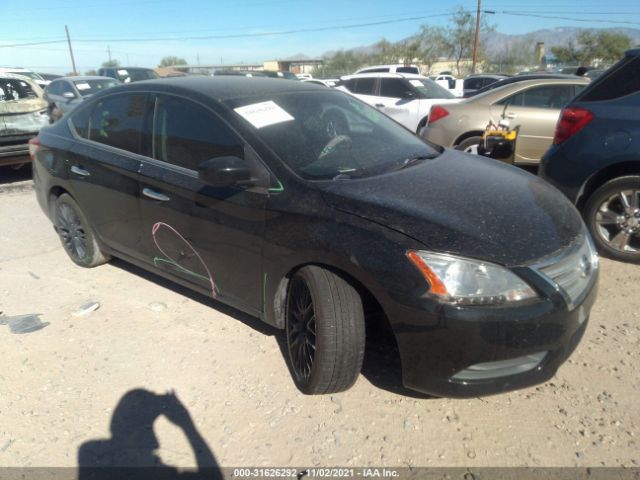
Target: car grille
{"x": 574, "y": 272}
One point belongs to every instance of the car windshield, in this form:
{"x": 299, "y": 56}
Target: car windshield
{"x": 89, "y": 87}
{"x": 331, "y": 135}
{"x": 127, "y": 75}
{"x": 31, "y": 75}
{"x": 430, "y": 89}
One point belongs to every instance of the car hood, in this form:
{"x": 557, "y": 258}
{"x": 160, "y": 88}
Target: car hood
{"x": 465, "y": 205}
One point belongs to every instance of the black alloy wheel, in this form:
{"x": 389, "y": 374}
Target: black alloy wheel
{"x": 76, "y": 235}
{"x": 324, "y": 330}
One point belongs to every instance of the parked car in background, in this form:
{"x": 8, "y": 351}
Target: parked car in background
{"x": 128, "y": 74}
{"x": 395, "y": 68}
{"x": 49, "y": 76}
{"x": 63, "y": 94}
{"x": 405, "y": 97}
{"x": 521, "y": 77}
{"x": 318, "y": 81}
{"x": 277, "y": 74}
{"x": 303, "y": 76}
{"x": 25, "y": 72}
{"x": 533, "y": 105}
{"x": 240, "y": 73}
{"x": 23, "y": 112}
{"x": 595, "y": 158}
{"x": 306, "y": 207}
{"x": 474, "y": 83}
{"x": 451, "y": 83}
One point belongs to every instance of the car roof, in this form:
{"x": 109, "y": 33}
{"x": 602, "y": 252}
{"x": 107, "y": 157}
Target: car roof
{"x": 221, "y": 88}
{"x": 382, "y": 75}
{"x": 82, "y": 78}
{"x": 514, "y": 86}
{"x": 634, "y": 52}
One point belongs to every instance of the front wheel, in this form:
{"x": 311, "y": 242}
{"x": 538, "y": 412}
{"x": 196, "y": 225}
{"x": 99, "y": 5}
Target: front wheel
{"x": 470, "y": 145}
{"x": 76, "y": 234}
{"x": 325, "y": 331}
{"x": 612, "y": 214}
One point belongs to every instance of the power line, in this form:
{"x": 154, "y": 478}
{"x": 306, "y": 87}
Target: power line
{"x": 572, "y": 19}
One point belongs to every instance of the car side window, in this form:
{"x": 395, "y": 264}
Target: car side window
{"x": 66, "y": 88}
{"x": 118, "y": 120}
{"x": 472, "y": 84}
{"x": 80, "y": 121}
{"x": 393, "y": 88}
{"x": 186, "y": 134}
{"x": 365, "y": 86}
{"x": 547, "y": 96}
{"x": 618, "y": 82}
{"x": 54, "y": 88}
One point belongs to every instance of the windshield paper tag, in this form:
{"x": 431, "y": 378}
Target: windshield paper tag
{"x": 263, "y": 114}
{"x": 83, "y": 86}
{"x": 123, "y": 72}
{"x": 416, "y": 83}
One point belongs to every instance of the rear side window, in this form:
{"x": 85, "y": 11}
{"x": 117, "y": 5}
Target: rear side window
{"x": 15, "y": 89}
{"x": 393, "y": 88}
{"x": 80, "y": 121}
{"x": 548, "y": 96}
{"x": 407, "y": 70}
{"x": 365, "y": 86}
{"x": 620, "y": 81}
{"x": 118, "y": 120}
{"x": 186, "y": 134}
{"x": 472, "y": 83}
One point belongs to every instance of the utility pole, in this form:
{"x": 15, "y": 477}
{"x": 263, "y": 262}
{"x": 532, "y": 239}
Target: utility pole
{"x": 109, "y": 52}
{"x": 475, "y": 41}
{"x": 73, "y": 61}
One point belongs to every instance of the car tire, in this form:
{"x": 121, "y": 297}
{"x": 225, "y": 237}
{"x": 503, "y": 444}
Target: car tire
{"x": 76, "y": 235}
{"x": 470, "y": 145}
{"x": 325, "y": 331}
{"x": 614, "y": 222}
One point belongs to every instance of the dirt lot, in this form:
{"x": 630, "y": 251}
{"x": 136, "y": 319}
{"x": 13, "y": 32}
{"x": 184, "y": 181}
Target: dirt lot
{"x": 60, "y": 386}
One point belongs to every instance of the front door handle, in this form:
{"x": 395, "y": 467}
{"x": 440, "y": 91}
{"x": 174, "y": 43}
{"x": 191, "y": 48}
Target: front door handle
{"x": 379, "y": 105}
{"x": 161, "y": 197}
{"x": 79, "y": 171}
{"x": 511, "y": 115}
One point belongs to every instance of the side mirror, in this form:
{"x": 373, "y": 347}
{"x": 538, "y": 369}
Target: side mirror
{"x": 69, "y": 95}
{"x": 224, "y": 172}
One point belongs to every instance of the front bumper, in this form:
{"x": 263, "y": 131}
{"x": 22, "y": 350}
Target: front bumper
{"x": 464, "y": 352}
{"x": 15, "y": 153}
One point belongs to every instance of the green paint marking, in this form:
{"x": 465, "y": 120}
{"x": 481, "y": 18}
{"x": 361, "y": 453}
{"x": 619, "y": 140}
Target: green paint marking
{"x": 264, "y": 295}
{"x": 160, "y": 260}
{"x": 278, "y": 189}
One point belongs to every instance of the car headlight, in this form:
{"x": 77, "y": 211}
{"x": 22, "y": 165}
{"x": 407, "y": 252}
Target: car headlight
{"x": 466, "y": 281}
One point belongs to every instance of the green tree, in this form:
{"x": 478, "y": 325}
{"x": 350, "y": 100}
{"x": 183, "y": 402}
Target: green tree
{"x": 91, "y": 72}
{"x": 459, "y": 37}
{"x": 171, "y": 60}
{"x": 343, "y": 62}
{"x": 591, "y": 47}
{"x": 431, "y": 45}
{"x": 111, "y": 63}
{"x": 514, "y": 57}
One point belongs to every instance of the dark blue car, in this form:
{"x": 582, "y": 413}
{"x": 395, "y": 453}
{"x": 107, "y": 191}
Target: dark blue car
{"x": 595, "y": 158}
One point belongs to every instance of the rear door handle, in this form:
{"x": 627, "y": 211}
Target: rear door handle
{"x": 79, "y": 171}
{"x": 511, "y": 115}
{"x": 161, "y": 197}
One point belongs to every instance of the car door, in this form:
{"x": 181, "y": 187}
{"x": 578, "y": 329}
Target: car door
{"x": 104, "y": 165}
{"x": 400, "y": 102}
{"x": 366, "y": 90}
{"x": 535, "y": 110}
{"x": 209, "y": 237}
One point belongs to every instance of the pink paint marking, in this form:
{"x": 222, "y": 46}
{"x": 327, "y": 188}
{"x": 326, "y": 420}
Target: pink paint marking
{"x": 157, "y": 226}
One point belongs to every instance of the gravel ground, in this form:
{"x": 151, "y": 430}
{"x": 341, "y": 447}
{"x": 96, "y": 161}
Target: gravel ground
{"x": 59, "y": 386}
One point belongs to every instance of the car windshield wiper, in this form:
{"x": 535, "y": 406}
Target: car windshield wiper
{"x": 408, "y": 162}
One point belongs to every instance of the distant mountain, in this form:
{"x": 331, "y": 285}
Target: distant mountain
{"x": 496, "y": 41}
{"x": 552, "y": 37}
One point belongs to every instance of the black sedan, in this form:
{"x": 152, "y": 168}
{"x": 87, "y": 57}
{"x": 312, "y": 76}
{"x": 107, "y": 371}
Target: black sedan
{"x": 306, "y": 207}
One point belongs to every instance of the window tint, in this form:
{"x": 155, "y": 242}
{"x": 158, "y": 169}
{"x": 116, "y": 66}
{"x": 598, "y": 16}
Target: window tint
{"x": 472, "y": 83}
{"x": 117, "y": 121}
{"x": 80, "y": 121}
{"x": 186, "y": 134}
{"x": 549, "y": 96}
{"x": 618, "y": 82}
{"x": 408, "y": 70}
{"x": 393, "y": 88}
{"x": 365, "y": 86}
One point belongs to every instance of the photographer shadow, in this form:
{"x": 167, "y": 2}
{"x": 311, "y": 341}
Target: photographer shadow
{"x": 131, "y": 450}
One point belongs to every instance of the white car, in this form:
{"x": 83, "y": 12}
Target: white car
{"x": 451, "y": 83}
{"x": 405, "y": 97}
{"x": 397, "y": 68}
{"x": 304, "y": 76}
{"x": 26, "y": 73}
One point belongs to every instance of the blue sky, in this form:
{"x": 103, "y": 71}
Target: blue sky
{"x": 147, "y": 26}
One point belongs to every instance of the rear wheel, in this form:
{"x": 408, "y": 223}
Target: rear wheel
{"x": 76, "y": 235}
{"x": 612, "y": 214}
{"x": 470, "y": 145}
{"x": 325, "y": 331}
